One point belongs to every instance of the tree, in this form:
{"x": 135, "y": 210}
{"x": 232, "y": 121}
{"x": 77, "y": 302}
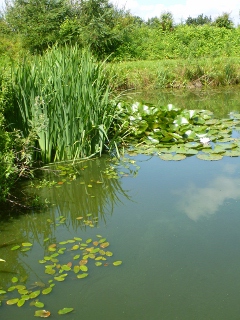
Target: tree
{"x": 166, "y": 21}
{"x": 224, "y": 21}
{"x": 37, "y": 21}
{"x": 199, "y": 21}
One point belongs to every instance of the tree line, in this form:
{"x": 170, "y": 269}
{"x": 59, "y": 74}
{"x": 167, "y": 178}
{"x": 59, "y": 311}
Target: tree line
{"x": 107, "y": 30}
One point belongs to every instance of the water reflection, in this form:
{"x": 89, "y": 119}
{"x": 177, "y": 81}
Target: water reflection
{"x": 221, "y": 101}
{"x": 197, "y": 202}
{"x": 96, "y": 191}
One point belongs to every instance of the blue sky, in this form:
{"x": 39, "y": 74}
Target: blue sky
{"x": 181, "y": 9}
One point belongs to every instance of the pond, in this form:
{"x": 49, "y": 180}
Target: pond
{"x": 171, "y": 228}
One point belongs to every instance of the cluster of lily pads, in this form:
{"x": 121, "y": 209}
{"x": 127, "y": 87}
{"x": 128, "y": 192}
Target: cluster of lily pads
{"x": 174, "y": 133}
{"x": 73, "y": 256}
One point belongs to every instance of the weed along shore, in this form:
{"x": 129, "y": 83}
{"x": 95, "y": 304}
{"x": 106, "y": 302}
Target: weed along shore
{"x": 192, "y": 73}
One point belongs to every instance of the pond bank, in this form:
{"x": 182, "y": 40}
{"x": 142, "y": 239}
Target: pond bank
{"x": 178, "y": 73}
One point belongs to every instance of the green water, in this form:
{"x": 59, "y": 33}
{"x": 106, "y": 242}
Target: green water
{"x": 175, "y": 226}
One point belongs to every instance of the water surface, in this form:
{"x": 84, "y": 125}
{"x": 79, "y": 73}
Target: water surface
{"x": 175, "y": 226}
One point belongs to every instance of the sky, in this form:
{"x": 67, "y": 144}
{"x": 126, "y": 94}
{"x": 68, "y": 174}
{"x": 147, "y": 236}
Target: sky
{"x": 180, "y": 9}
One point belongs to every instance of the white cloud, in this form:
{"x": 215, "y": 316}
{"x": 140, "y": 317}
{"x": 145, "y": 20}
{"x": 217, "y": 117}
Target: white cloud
{"x": 197, "y": 202}
{"x": 181, "y": 12}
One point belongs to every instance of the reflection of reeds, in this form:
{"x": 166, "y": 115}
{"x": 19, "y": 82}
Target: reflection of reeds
{"x": 93, "y": 192}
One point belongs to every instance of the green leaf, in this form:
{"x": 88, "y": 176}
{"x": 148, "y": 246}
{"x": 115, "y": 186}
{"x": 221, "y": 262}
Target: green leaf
{"x": 42, "y": 313}
{"x": 26, "y": 244}
{"x": 3, "y": 291}
{"x": 14, "y": 279}
{"x": 39, "y": 304}
{"x": 83, "y": 268}
{"x": 171, "y": 157}
{"x": 209, "y": 157}
{"x": 82, "y": 275}
{"x": 21, "y": 302}
{"x": 65, "y": 310}
{"x": 15, "y": 247}
{"x": 117, "y": 263}
{"x": 34, "y": 294}
{"x": 12, "y": 301}
{"x": 47, "y": 290}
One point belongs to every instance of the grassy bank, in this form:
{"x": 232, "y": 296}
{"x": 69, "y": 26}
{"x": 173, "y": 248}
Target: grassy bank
{"x": 178, "y": 73}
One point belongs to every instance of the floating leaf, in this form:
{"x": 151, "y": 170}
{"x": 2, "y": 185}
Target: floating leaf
{"x": 88, "y": 240}
{"x": 26, "y": 244}
{"x": 171, "y": 157}
{"x": 34, "y": 294}
{"x": 60, "y": 278}
{"x": 102, "y": 240}
{"x": 75, "y": 247}
{"x": 77, "y": 239}
{"x": 47, "y": 290}
{"x": 39, "y": 304}
{"x": 42, "y": 313}
{"x": 23, "y": 291}
{"x": 209, "y": 157}
{"x": 77, "y": 256}
{"x": 98, "y": 264}
{"x": 3, "y": 291}
{"x": 83, "y": 268}
{"x": 65, "y": 310}
{"x": 21, "y": 302}
{"x": 11, "y": 288}
{"x": 76, "y": 269}
{"x": 82, "y": 275}
{"x": 42, "y": 261}
{"x": 109, "y": 253}
{"x": 12, "y": 301}
{"x": 104, "y": 244}
{"x": 25, "y": 249}
{"x": 15, "y": 247}
{"x": 65, "y": 267}
{"x": 117, "y": 263}
{"x": 14, "y": 279}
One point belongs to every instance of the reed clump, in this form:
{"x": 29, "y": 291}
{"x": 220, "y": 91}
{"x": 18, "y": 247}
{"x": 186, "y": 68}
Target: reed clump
{"x": 64, "y": 98}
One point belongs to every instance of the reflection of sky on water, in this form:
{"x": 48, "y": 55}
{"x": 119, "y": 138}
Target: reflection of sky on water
{"x": 199, "y": 202}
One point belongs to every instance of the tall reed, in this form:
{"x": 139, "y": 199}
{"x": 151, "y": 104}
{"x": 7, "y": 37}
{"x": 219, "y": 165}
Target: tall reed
{"x": 65, "y": 97}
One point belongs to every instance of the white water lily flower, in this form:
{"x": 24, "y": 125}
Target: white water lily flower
{"x": 205, "y": 141}
{"x": 135, "y": 106}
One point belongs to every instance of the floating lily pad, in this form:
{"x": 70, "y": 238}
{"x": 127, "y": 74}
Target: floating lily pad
{"x": 172, "y": 157}
{"x": 65, "y": 310}
{"x": 117, "y": 263}
{"x": 42, "y": 313}
{"x": 82, "y": 275}
{"x": 12, "y": 301}
{"x": 209, "y": 157}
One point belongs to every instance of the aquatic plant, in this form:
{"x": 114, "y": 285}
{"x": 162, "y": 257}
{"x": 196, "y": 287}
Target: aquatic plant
{"x": 64, "y": 97}
{"x": 175, "y": 133}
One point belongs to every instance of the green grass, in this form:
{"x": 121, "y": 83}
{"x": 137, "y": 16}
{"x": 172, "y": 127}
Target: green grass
{"x": 178, "y": 73}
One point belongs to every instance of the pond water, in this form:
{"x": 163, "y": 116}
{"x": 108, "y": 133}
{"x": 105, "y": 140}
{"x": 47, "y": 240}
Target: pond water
{"x": 174, "y": 226}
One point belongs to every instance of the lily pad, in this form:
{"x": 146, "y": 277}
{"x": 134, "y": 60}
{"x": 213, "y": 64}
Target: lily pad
{"x": 82, "y": 275}
{"x": 209, "y": 157}
{"x": 172, "y": 157}
{"x": 42, "y": 313}
{"x": 65, "y": 310}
